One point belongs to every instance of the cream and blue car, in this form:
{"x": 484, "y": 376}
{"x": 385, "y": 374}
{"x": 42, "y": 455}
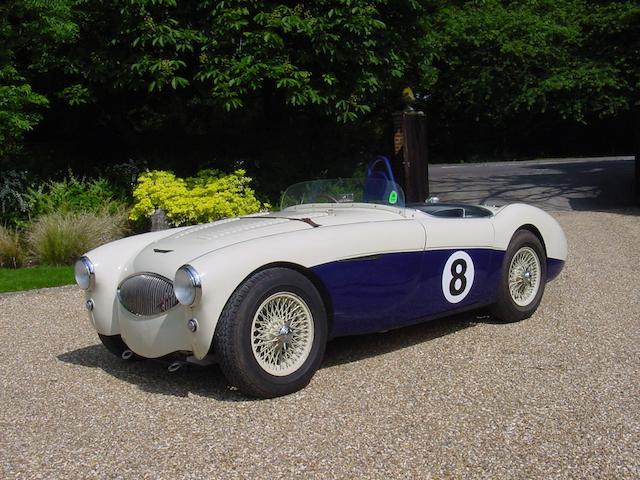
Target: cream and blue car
{"x": 262, "y": 294}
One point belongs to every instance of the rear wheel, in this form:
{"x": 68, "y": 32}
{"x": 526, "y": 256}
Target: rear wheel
{"x": 523, "y": 278}
{"x": 272, "y": 333}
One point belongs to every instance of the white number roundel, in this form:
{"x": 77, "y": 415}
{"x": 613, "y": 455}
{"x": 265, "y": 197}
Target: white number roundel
{"x": 457, "y": 277}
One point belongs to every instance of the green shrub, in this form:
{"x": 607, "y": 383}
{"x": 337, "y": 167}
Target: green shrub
{"x": 73, "y": 195}
{"x": 208, "y": 196}
{"x": 59, "y": 238}
{"x": 12, "y": 252}
{"x": 14, "y": 202}
{"x": 23, "y": 199}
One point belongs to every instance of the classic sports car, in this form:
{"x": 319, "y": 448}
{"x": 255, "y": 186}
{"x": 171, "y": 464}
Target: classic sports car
{"x": 262, "y": 294}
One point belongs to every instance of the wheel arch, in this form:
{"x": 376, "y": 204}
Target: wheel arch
{"x": 532, "y": 228}
{"x": 310, "y": 275}
{"x": 519, "y": 216}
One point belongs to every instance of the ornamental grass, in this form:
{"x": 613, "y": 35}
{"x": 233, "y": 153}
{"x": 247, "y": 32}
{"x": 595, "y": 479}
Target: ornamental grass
{"x": 59, "y": 238}
{"x": 12, "y": 251}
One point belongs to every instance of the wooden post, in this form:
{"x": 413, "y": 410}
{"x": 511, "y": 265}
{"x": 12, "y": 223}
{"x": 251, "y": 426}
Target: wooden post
{"x": 159, "y": 220}
{"x": 410, "y": 151}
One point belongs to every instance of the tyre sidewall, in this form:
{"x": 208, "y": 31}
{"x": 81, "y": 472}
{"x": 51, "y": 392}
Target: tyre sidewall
{"x": 283, "y": 280}
{"x": 508, "y": 310}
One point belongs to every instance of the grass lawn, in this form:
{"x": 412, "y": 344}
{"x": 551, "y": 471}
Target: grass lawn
{"x": 14, "y": 280}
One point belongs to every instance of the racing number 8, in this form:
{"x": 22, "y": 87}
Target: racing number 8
{"x": 458, "y": 269}
{"x": 457, "y": 276}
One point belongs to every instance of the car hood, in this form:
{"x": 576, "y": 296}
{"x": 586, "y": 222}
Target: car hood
{"x": 168, "y": 254}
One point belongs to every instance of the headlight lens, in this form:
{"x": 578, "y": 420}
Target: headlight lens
{"x": 187, "y": 286}
{"x": 84, "y": 273}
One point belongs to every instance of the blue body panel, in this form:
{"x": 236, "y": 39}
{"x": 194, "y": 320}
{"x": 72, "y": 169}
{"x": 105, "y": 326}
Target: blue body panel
{"x": 381, "y": 292}
{"x": 554, "y": 267}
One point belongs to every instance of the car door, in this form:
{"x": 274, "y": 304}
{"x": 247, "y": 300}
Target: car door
{"x": 459, "y": 265}
{"x": 373, "y": 290}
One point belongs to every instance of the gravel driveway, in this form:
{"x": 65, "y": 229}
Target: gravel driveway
{"x": 554, "y": 396}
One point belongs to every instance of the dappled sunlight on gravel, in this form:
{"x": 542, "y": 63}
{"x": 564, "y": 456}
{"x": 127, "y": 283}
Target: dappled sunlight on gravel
{"x": 556, "y": 395}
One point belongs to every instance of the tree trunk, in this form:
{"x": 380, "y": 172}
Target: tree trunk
{"x": 414, "y": 126}
{"x": 410, "y": 151}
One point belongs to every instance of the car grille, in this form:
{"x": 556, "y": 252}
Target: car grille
{"x": 147, "y": 294}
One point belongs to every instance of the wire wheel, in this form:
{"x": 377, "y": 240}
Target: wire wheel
{"x": 524, "y": 276}
{"x": 282, "y": 334}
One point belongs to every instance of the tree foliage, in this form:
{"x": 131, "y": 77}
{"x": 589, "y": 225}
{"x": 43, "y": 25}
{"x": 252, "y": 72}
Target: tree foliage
{"x": 498, "y": 59}
{"x": 263, "y": 78}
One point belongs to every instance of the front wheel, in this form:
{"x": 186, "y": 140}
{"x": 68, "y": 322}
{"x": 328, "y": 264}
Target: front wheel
{"x": 523, "y": 278}
{"x": 116, "y": 346}
{"x": 271, "y": 336}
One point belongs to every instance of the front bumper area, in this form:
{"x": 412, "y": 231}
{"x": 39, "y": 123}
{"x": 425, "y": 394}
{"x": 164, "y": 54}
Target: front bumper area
{"x": 155, "y": 336}
{"x": 146, "y": 336}
{"x": 151, "y": 336}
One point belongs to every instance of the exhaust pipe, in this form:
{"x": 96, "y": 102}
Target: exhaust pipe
{"x": 175, "y": 366}
{"x": 127, "y": 354}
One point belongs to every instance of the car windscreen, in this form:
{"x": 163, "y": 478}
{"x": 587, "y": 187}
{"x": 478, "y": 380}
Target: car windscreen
{"x": 344, "y": 190}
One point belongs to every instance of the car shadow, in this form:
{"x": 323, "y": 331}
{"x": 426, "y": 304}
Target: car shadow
{"x": 153, "y": 377}
{"x": 355, "y": 348}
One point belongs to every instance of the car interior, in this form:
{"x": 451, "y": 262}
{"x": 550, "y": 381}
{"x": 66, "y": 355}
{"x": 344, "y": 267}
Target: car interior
{"x": 380, "y": 168}
{"x": 451, "y": 210}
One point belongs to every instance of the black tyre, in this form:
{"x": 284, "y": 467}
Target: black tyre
{"x": 271, "y": 336}
{"x": 116, "y": 345}
{"x": 522, "y": 280}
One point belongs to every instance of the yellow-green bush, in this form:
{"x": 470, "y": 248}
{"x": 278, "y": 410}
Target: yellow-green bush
{"x": 208, "y": 196}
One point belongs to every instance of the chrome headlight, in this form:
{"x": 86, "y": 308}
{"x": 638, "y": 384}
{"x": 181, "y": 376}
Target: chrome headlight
{"x": 187, "y": 286}
{"x": 84, "y": 273}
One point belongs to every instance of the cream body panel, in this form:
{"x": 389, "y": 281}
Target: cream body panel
{"x": 155, "y": 336}
{"x": 162, "y": 334}
{"x": 445, "y": 233}
{"x": 511, "y": 217}
{"x": 117, "y": 260}
{"x": 111, "y": 262}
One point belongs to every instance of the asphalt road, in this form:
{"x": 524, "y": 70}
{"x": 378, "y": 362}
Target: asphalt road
{"x": 554, "y": 396}
{"x": 558, "y": 185}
